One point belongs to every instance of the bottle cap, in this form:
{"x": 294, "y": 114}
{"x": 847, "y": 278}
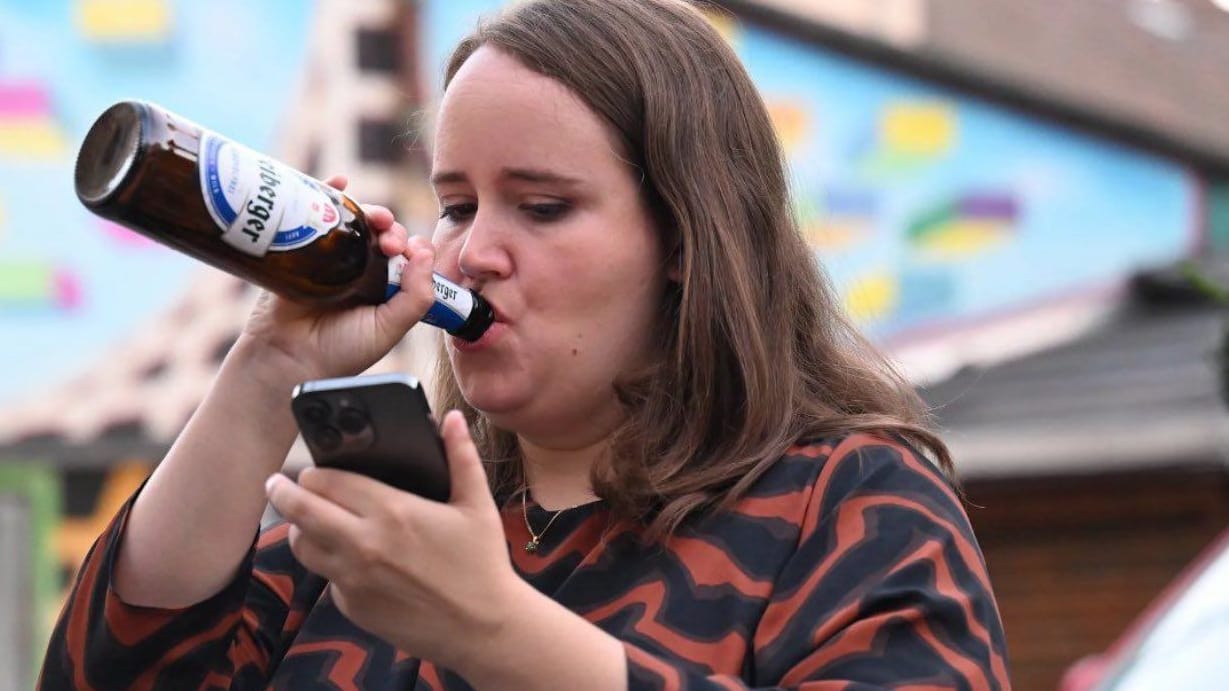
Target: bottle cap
{"x": 480, "y": 319}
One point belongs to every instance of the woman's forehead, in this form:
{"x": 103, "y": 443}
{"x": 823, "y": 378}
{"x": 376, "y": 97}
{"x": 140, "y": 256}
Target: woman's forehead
{"x": 494, "y": 84}
{"x": 496, "y": 106}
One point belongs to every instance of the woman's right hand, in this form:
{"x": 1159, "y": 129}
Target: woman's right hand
{"x": 329, "y": 342}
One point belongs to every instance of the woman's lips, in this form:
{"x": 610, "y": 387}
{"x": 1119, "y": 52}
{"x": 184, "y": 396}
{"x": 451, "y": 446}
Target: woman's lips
{"x": 489, "y": 338}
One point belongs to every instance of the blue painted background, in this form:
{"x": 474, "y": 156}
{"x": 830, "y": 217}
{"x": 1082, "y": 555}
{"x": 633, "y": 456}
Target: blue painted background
{"x": 228, "y": 64}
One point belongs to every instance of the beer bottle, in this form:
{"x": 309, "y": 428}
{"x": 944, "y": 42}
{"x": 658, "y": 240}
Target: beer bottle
{"x": 245, "y": 213}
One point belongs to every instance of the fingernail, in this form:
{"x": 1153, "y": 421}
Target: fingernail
{"x": 272, "y": 482}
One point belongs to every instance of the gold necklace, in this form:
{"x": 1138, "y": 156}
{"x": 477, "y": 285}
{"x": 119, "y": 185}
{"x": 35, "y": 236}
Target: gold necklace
{"x": 535, "y": 539}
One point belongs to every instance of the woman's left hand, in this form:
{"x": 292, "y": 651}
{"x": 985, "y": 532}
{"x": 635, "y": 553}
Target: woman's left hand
{"x": 433, "y": 579}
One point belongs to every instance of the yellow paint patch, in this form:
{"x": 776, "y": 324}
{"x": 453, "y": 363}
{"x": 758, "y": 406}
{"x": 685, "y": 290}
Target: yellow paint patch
{"x": 961, "y": 239}
{"x": 792, "y": 121}
{"x": 872, "y": 297}
{"x": 124, "y": 20}
{"x": 834, "y": 234}
{"x": 919, "y": 129}
{"x": 725, "y": 24}
{"x": 38, "y": 139}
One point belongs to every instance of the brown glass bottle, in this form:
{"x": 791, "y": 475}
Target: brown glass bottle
{"x": 244, "y": 213}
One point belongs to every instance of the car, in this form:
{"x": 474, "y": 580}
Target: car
{"x": 1180, "y": 642}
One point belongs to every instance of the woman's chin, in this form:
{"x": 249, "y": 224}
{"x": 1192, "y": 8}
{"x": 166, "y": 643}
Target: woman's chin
{"x": 493, "y": 401}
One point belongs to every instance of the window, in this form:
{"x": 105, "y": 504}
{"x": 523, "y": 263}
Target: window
{"x": 381, "y": 141}
{"x": 379, "y": 50}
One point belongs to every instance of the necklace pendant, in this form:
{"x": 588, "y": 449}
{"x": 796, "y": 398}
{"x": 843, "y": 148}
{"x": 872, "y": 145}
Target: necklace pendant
{"x": 531, "y": 546}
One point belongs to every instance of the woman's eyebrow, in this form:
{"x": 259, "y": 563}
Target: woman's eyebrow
{"x": 448, "y": 176}
{"x": 539, "y": 175}
{"x": 523, "y": 174}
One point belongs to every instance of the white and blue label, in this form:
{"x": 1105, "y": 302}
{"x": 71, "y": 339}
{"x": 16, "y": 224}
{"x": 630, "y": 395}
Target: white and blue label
{"x": 260, "y": 204}
{"x": 452, "y": 305}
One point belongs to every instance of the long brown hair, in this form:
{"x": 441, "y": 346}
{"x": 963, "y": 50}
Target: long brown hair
{"x": 755, "y": 353}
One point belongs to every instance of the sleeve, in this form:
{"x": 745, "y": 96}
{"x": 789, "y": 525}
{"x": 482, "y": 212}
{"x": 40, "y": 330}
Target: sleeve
{"x": 230, "y": 640}
{"x": 887, "y": 588}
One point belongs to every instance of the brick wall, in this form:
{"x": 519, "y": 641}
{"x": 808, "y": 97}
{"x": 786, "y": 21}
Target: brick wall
{"x": 1075, "y": 560}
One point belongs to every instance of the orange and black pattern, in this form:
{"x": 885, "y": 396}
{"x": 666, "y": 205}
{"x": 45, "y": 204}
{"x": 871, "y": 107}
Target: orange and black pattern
{"x": 850, "y": 565}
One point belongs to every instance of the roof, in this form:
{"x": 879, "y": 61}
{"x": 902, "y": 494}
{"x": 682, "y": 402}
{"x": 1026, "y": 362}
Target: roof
{"x": 140, "y": 392}
{"x": 1008, "y": 53}
{"x": 1143, "y": 389}
{"x": 133, "y": 404}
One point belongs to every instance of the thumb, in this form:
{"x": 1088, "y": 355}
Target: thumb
{"x": 409, "y": 304}
{"x": 469, "y": 482}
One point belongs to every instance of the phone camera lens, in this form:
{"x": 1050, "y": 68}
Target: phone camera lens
{"x": 316, "y": 411}
{"x": 351, "y": 420}
{"x": 327, "y": 438}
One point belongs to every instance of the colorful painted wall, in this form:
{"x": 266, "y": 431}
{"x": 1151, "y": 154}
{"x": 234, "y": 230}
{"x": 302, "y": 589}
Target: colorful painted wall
{"x": 925, "y": 207}
{"x": 930, "y": 208}
{"x": 71, "y": 285}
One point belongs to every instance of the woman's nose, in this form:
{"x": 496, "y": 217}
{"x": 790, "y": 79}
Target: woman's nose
{"x": 484, "y": 253}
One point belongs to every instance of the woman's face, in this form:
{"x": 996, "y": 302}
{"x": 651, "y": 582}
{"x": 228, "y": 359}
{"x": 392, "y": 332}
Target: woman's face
{"x": 540, "y": 213}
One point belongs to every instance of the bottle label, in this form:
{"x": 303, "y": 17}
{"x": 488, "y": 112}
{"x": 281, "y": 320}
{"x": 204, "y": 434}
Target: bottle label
{"x": 452, "y": 305}
{"x": 396, "y": 266}
{"x": 260, "y": 204}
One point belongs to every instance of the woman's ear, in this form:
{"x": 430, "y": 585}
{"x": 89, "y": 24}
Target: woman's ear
{"x": 674, "y": 266}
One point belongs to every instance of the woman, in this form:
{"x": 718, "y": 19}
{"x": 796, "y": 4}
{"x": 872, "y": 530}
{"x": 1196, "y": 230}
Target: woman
{"x": 698, "y": 475}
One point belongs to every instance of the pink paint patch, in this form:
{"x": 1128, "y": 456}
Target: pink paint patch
{"x": 67, "y": 289}
{"x": 20, "y": 100}
{"x": 124, "y": 237}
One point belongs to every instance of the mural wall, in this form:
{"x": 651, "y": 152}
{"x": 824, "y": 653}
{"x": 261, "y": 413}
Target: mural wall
{"x": 71, "y": 284}
{"x": 928, "y": 207}
{"x": 924, "y": 206}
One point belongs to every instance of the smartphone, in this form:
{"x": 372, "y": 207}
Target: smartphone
{"x": 379, "y": 425}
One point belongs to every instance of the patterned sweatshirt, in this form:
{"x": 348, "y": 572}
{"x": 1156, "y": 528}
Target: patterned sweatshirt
{"x": 849, "y": 565}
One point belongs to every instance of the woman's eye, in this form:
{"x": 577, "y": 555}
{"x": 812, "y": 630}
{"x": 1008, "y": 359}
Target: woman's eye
{"x": 546, "y": 212}
{"x": 458, "y": 212}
